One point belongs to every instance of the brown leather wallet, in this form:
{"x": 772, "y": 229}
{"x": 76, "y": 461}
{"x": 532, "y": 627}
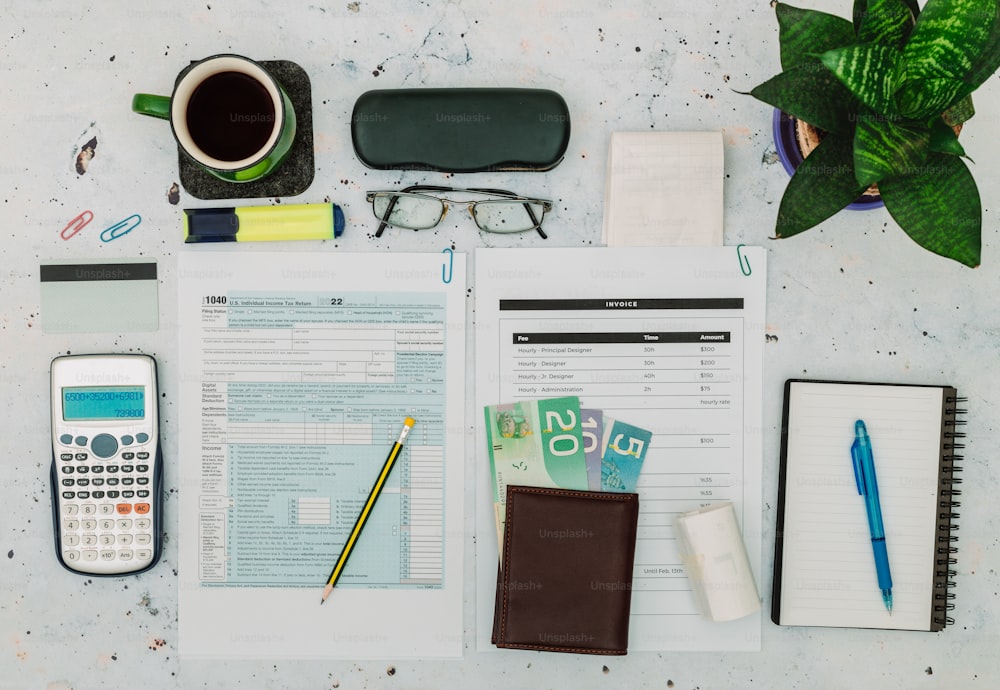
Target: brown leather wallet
{"x": 565, "y": 582}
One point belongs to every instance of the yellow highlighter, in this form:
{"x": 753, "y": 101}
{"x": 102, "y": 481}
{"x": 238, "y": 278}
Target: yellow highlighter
{"x": 263, "y": 223}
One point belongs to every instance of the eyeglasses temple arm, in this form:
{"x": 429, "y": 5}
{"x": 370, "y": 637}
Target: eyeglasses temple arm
{"x": 388, "y": 211}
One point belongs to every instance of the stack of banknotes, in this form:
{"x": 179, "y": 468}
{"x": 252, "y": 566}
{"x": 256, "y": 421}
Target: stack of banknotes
{"x": 555, "y": 443}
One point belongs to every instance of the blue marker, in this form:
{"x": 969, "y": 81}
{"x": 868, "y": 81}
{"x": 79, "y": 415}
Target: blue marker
{"x": 864, "y": 474}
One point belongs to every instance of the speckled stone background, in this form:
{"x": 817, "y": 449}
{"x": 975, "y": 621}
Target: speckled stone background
{"x": 854, "y": 298}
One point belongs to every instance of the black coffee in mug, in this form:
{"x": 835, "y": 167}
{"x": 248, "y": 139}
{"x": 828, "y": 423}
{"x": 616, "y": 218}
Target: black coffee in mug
{"x": 230, "y": 116}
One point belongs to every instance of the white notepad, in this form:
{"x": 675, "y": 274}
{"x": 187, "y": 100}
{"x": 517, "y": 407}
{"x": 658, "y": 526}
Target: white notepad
{"x": 664, "y": 189}
{"x": 824, "y": 565}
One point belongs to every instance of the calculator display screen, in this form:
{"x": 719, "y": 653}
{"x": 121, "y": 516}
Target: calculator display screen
{"x": 94, "y": 403}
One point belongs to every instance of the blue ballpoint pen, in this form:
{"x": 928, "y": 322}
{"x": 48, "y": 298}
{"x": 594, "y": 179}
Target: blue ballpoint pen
{"x": 864, "y": 474}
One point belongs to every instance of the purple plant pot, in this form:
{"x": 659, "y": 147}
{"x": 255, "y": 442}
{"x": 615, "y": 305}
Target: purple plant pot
{"x": 783, "y": 126}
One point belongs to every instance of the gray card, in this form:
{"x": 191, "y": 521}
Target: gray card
{"x": 107, "y": 296}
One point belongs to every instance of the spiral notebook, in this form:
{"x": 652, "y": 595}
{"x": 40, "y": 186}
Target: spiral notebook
{"x": 824, "y": 569}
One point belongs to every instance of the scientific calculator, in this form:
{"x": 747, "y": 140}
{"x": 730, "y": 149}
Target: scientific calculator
{"x": 107, "y": 464}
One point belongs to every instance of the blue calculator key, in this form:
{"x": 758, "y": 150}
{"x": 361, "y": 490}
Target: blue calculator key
{"x": 141, "y": 437}
{"x": 66, "y": 439}
{"x": 81, "y": 440}
{"x": 104, "y": 445}
{"x": 127, "y": 440}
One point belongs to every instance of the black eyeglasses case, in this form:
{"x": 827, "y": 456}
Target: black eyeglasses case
{"x": 460, "y": 130}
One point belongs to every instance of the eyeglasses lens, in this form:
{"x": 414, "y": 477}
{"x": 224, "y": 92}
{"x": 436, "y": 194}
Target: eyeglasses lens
{"x": 408, "y": 210}
{"x": 508, "y": 216}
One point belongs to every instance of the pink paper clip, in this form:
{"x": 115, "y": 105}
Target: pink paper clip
{"x": 76, "y": 225}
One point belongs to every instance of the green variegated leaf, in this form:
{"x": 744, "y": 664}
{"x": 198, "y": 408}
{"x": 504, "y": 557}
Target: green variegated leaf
{"x": 861, "y": 7}
{"x": 822, "y": 185}
{"x": 949, "y": 38}
{"x": 989, "y": 60}
{"x": 885, "y": 149}
{"x": 886, "y": 22}
{"x": 804, "y": 34}
{"x": 944, "y": 139}
{"x": 810, "y": 93}
{"x": 868, "y": 72}
{"x": 939, "y": 208}
{"x": 920, "y": 99}
{"x": 960, "y": 112}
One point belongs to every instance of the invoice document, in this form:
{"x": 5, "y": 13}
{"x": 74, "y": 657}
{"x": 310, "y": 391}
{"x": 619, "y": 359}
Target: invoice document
{"x": 296, "y": 373}
{"x": 668, "y": 339}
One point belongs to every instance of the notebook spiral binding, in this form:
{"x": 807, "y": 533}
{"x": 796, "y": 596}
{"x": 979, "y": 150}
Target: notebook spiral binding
{"x": 944, "y": 573}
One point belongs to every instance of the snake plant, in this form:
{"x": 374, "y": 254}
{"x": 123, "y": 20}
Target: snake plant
{"x": 888, "y": 89}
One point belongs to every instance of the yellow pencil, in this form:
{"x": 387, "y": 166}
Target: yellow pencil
{"x": 366, "y": 511}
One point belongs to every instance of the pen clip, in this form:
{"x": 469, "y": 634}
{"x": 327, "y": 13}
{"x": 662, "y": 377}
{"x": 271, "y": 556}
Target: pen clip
{"x": 859, "y": 475}
{"x": 116, "y": 230}
{"x": 447, "y": 269}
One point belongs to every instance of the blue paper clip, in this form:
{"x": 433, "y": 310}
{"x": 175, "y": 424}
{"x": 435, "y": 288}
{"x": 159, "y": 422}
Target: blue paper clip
{"x": 448, "y": 268}
{"x": 744, "y": 261}
{"x": 76, "y": 225}
{"x": 120, "y": 228}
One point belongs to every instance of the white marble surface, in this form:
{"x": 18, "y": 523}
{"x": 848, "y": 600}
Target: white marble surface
{"x": 854, "y": 298}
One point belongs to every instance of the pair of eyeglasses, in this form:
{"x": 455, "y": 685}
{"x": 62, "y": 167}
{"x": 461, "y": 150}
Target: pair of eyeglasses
{"x": 414, "y": 210}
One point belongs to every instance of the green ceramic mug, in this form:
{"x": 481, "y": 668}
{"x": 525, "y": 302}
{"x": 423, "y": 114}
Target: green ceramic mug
{"x": 228, "y": 115}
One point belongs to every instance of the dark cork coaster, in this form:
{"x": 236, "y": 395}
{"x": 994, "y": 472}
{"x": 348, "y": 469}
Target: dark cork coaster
{"x": 295, "y": 173}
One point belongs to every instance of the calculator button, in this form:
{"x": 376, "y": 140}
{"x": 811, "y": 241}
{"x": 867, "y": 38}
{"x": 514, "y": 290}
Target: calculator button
{"x": 124, "y": 524}
{"x": 142, "y": 508}
{"x": 97, "y": 469}
{"x": 125, "y": 555}
{"x": 104, "y": 445}
{"x": 68, "y": 494}
{"x": 142, "y": 456}
{"x": 88, "y": 509}
{"x": 127, "y": 468}
{"x": 71, "y": 525}
{"x": 67, "y": 470}
{"x": 81, "y": 482}
{"x": 141, "y": 437}
{"x": 65, "y": 456}
{"x": 128, "y": 494}
{"x": 81, "y": 456}
{"x": 67, "y": 482}
{"x": 97, "y": 481}
{"x": 83, "y": 494}
{"x": 127, "y": 440}
{"x": 112, "y": 494}
{"x": 97, "y": 494}
{"x": 89, "y": 540}
{"x": 124, "y": 508}
{"x": 113, "y": 481}
{"x": 143, "y": 539}
{"x": 126, "y": 481}
{"x": 142, "y": 480}
{"x": 107, "y": 524}
{"x": 107, "y": 555}
{"x": 143, "y": 554}
{"x": 71, "y": 540}
{"x": 142, "y": 493}
{"x": 83, "y": 469}
{"x": 125, "y": 539}
{"x": 81, "y": 440}
{"x": 142, "y": 468}
{"x": 112, "y": 468}
{"x": 128, "y": 456}
{"x": 89, "y": 524}
{"x": 106, "y": 509}
{"x": 71, "y": 555}
{"x": 90, "y": 555}
{"x": 142, "y": 523}
{"x": 107, "y": 540}
{"x": 66, "y": 439}
{"x": 70, "y": 509}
